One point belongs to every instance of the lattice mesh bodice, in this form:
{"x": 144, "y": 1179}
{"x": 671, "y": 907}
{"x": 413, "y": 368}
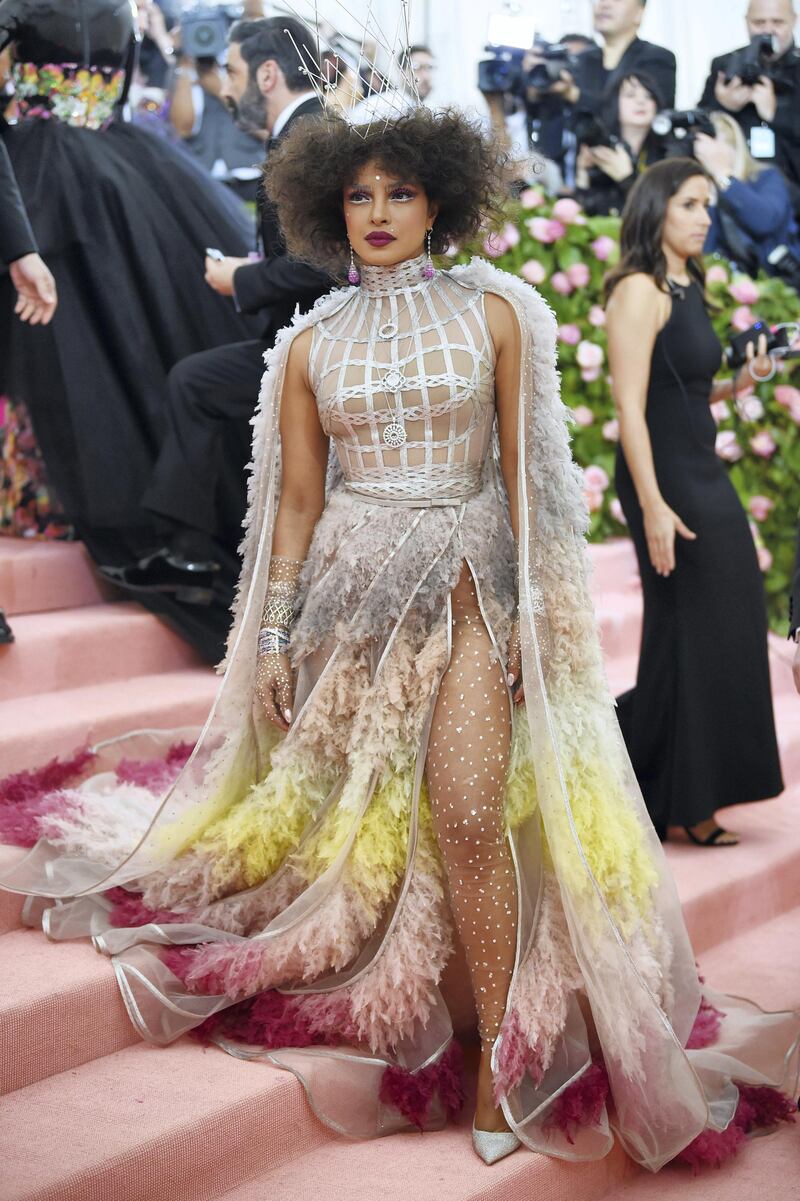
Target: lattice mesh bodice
{"x": 407, "y": 358}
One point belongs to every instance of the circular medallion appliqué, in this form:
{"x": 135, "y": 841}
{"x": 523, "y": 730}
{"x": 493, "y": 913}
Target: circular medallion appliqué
{"x": 394, "y": 434}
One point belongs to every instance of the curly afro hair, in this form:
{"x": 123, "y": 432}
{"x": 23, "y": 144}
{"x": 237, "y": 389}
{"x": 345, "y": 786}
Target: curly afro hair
{"x": 442, "y": 152}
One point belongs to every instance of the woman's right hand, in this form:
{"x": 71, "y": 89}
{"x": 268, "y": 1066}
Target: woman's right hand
{"x": 275, "y": 689}
{"x": 660, "y": 527}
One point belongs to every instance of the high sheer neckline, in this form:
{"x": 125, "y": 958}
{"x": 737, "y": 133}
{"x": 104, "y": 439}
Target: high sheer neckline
{"x": 383, "y": 281}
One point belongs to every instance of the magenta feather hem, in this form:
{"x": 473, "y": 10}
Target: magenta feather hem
{"x": 759, "y": 1108}
{"x": 411, "y": 1093}
{"x": 129, "y": 910}
{"x": 155, "y": 774}
{"x": 29, "y": 796}
{"x": 705, "y": 1030}
{"x": 581, "y": 1103}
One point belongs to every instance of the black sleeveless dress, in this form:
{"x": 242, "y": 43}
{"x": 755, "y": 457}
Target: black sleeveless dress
{"x": 699, "y": 724}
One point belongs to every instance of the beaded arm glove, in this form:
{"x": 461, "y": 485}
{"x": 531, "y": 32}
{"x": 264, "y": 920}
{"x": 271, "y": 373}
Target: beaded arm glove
{"x": 273, "y": 676}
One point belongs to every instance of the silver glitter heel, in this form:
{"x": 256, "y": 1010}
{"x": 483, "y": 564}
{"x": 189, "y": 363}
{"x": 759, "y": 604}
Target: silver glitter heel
{"x": 492, "y": 1145}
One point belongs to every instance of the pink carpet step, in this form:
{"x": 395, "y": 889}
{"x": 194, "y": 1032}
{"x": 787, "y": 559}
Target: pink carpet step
{"x": 152, "y": 1124}
{"x": 59, "y": 1007}
{"x": 761, "y": 965}
{"x": 35, "y": 728}
{"x": 432, "y": 1167}
{"x": 36, "y": 577}
{"x": 10, "y": 903}
{"x": 728, "y": 890}
{"x": 614, "y": 566}
{"x": 95, "y": 644}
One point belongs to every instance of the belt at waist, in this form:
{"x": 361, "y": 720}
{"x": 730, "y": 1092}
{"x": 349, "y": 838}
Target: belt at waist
{"x": 414, "y": 502}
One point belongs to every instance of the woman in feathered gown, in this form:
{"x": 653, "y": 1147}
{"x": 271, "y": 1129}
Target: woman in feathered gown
{"x": 374, "y": 782}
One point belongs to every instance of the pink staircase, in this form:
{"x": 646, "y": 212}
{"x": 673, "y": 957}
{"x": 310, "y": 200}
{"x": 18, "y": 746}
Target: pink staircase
{"x": 92, "y": 1114}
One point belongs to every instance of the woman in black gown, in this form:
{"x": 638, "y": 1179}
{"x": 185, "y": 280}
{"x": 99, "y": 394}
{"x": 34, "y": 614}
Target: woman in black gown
{"x": 122, "y": 220}
{"x": 699, "y": 724}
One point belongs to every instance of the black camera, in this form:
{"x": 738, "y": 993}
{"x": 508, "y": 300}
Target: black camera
{"x": 785, "y": 263}
{"x": 590, "y": 131}
{"x": 754, "y": 61}
{"x": 204, "y": 30}
{"x": 557, "y": 58}
{"x": 677, "y": 129}
{"x": 736, "y": 352}
{"x": 503, "y": 71}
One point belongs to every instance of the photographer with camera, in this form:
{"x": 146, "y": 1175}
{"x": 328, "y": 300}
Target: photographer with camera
{"x": 197, "y": 112}
{"x": 753, "y": 213}
{"x": 618, "y": 146}
{"x": 759, "y": 85}
{"x": 526, "y": 94}
{"x": 623, "y": 53}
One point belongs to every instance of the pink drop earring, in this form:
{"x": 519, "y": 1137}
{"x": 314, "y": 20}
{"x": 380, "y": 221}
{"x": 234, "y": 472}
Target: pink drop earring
{"x": 428, "y": 271}
{"x": 353, "y": 276}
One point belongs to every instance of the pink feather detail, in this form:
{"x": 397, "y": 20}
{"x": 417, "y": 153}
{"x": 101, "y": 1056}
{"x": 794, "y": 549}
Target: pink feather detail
{"x": 29, "y": 796}
{"x": 412, "y": 1092}
{"x": 705, "y": 1030}
{"x": 759, "y": 1107}
{"x": 582, "y": 1103}
{"x": 129, "y": 911}
{"x": 515, "y": 1058}
{"x": 155, "y": 774}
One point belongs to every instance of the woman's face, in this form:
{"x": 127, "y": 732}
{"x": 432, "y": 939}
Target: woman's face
{"x": 387, "y": 217}
{"x": 637, "y": 108}
{"x": 687, "y": 219}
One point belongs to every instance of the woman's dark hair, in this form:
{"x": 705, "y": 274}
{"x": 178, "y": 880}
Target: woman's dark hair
{"x": 643, "y": 221}
{"x": 442, "y": 152}
{"x": 610, "y": 102}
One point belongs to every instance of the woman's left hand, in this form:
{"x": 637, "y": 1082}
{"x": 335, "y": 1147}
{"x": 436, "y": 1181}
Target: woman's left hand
{"x": 758, "y": 361}
{"x": 614, "y": 161}
{"x": 514, "y": 665}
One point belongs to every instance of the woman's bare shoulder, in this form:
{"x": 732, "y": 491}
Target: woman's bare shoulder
{"x": 639, "y": 298}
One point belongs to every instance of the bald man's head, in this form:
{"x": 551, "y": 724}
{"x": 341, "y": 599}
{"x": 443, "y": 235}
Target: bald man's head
{"x": 775, "y": 17}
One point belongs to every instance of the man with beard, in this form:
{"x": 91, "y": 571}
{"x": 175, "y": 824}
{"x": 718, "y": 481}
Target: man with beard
{"x": 769, "y": 109}
{"x": 198, "y": 487}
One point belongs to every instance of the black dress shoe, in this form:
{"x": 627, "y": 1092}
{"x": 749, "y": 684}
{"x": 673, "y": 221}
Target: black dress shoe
{"x": 6, "y": 633}
{"x": 165, "y": 572}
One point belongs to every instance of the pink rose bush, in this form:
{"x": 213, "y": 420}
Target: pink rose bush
{"x": 603, "y": 248}
{"x": 727, "y": 447}
{"x": 763, "y": 444}
{"x": 761, "y": 507}
{"x": 744, "y": 291}
{"x": 554, "y": 246}
{"x": 533, "y": 271}
{"x": 569, "y": 334}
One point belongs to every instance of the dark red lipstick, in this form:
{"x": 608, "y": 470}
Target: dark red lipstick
{"x": 378, "y": 238}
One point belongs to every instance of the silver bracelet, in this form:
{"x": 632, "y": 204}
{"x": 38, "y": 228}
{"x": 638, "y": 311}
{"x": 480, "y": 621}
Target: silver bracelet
{"x": 762, "y": 379}
{"x": 272, "y": 641}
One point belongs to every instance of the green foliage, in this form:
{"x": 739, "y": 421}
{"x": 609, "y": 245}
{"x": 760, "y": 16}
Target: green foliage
{"x": 547, "y": 242}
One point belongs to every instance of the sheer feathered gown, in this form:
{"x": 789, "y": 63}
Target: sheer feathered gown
{"x": 297, "y": 896}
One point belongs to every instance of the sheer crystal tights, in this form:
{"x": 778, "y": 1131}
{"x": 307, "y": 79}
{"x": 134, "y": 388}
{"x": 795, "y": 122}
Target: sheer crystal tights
{"x": 466, "y": 768}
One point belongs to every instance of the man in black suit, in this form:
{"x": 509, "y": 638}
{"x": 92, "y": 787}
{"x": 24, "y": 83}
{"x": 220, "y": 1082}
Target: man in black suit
{"x": 769, "y": 109}
{"x": 34, "y": 285}
{"x": 623, "y": 53}
{"x": 198, "y": 487}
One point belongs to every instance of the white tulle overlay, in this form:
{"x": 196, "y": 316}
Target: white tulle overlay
{"x": 304, "y": 869}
